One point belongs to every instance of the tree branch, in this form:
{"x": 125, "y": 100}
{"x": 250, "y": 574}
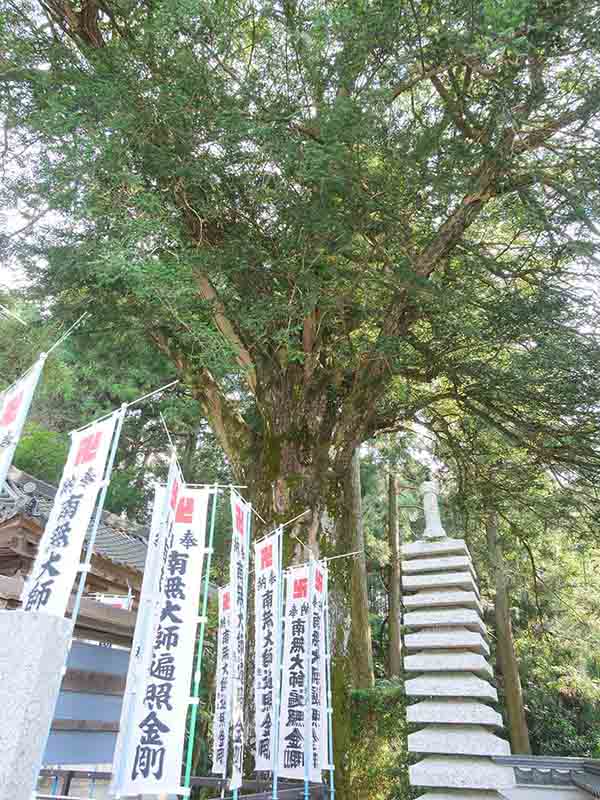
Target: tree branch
{"x": 227, "y": 329}
{"x": 223, "y": 415}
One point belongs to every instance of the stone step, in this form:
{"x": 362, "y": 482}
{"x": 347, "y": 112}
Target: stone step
{"x": 465, "y": 794}
{"x": 440, "y": 580}
{"x": 444, "y": 618}
{"x": 441, "y": 598}
{"x": 445, "y": 564}
{"x": 446, "y": 639}
{"x": 445, "y": 660}
{"x": 460, "y": 772}
{"x": 442, "y": 547}
{"x": 453, "y": 712}
{"x": 450, "y": 684}
{"x": 459, "y": 740}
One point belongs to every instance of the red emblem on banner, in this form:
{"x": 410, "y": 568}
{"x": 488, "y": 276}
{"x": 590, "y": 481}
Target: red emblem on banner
{"x": 239, "y": 519}
{"x": 226, "y": 601}
{"x": 266, "y": 557}
{"x": 319, "y": 581}
{"x": 174, "y": 493}
{"x": 300, "y": 588}
{"x": 11, "y": 409}
{"x": 88, "y": 448}
{"x": 185, "y": 510}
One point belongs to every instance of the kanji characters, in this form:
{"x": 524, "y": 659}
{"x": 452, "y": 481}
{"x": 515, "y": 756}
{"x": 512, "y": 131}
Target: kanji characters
{"x": 163, "y": 667}
{"x": 39, "y": 595}
{"x": 177, "y": 563}
{"x": 158, "y": 695}
{"x": 187, "y": 540}
{"x": 167, "y": 637}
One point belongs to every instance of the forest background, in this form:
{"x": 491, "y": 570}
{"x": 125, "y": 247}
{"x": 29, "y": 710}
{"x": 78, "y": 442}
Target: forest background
{"x": 357, "y": 232}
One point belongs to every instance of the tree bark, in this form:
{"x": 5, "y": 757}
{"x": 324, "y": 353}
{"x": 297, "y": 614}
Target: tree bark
{"x": 507, "y": 661}
{"x": 292, "y": 474}
{"x": 395, "y": 613}
{"x": 363, "y": 676}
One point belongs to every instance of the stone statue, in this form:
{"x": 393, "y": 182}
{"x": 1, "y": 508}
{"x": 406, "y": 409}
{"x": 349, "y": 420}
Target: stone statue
{"x": 433, "y": 523}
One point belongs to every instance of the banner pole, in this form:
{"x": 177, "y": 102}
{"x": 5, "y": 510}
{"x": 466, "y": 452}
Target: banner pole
{"x": 278, "y": 669}
{"x": 85, "y": 567}
{"x": 200, "y": 651}
{"x": 329, "y": 692}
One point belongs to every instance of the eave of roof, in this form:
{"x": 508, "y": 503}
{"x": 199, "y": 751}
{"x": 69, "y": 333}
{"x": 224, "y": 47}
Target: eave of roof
{"x": 119, "y": 540}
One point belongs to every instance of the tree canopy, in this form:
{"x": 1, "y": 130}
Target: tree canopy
{"x": 327, "y": 217}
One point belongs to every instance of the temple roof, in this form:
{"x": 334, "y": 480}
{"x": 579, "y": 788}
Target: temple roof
{"x": 119, "y": 539}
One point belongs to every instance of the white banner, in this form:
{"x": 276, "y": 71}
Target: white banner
{"x": 267, "y": 579}
{"x": 154, "y": 758}
{"x": 222, "y": 718}
{"x": 326, "y": 757}
{"x": 294, "y": 722}
{"x": 14, "y": 407}
{"x": 49, "y": 585}
{"x": 238, "y": 581}
{"x": 142, "y": 637}
{"x": 319, "y": 759}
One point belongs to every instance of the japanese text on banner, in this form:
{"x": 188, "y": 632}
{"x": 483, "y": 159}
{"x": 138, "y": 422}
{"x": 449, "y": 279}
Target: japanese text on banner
{"x": 14, "y": 407}
{"x": 141, "y": 645}
{"x": 238, "y": 581}
{"x": 267, "y": 578}
{"x": 49, "y": 585}
{"x": 317, "y": 674}
{"x": 294, "y": 715}
{"x": 159, "y": 718}
{"x": 222, "y": 716}
{"x": 163, "y": 519}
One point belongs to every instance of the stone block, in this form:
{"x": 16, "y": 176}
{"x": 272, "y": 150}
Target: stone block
{"x": 453, "y": 712}
{"x": 446, "y": 639}
{"x": 459, "y": 740}
{"x": 421, "y": 565}
{"x": 32, "y": 655}
{"x": 445, "y": 618}
{"x": 442, "y": 547}
{"x": 458, "y": 772}
{"x": 448, "y": 660}
{"x": 450, "y": 684}
{"x": 440, "y": 580}
{"x": 442, "y": 599}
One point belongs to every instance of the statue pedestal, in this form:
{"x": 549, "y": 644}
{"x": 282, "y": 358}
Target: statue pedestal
{"x": 32, "y": 655}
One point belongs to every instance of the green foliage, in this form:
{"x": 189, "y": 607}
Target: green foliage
{"x": 42, "y": 453}
{"x": 378, "y": 759}
{"x": 563, "y": 706}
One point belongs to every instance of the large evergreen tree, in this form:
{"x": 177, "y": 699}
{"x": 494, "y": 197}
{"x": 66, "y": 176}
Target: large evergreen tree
{"x": 327, "y": 216}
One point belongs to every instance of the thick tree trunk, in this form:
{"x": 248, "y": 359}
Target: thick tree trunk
{"x": 395, "y": 613}
{"x": 288, "y": 466}
{"x": 519, "y": 734}
{"x": 361, "y": 648}
{"x": 292, "y": 475}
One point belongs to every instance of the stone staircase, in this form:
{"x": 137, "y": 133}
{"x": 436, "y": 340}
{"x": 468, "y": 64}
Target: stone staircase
{"x": 448, "y": 673}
